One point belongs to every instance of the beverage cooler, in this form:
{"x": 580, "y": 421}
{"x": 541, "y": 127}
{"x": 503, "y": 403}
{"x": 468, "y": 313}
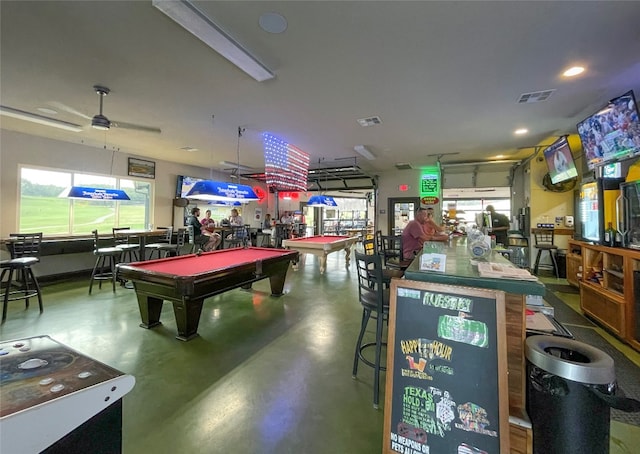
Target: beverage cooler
{"x": 597, "y": 202}
{"x": 628, "y": 214}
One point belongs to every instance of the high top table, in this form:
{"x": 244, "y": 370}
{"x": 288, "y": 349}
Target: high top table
{"x": 142, "y": 235}
{"x": 460, "y": 272}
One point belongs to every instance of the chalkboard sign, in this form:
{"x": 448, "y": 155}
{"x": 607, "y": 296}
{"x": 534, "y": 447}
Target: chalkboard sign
{"x": 446, "y": 390}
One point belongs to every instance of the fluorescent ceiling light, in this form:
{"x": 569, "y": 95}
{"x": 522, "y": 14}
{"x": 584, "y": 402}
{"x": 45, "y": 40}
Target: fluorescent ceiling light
{"x": 364, "y": 151}
{"x": 197, "y": 23}
{"x": 40, "y": 119}
{"x": 235, "y": 165}
{"x": 521, "y": 131}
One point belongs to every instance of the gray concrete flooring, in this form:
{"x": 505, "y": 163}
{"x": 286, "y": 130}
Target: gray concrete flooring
{"x": 266, "y": 375}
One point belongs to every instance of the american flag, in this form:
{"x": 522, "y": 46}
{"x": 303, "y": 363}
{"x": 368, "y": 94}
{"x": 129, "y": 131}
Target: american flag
{"x": 285, "y": 166}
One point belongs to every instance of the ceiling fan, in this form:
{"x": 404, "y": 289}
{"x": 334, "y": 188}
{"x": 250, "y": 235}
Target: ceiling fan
{"x": 100, "y": 121}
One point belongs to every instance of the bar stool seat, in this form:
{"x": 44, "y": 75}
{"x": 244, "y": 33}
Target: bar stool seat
{"x": 105, "y": 266}
{"x": 24, "y": 250}
{"x": 544, "y": 242}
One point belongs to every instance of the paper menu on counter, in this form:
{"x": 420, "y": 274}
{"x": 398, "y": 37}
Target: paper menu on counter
{"x": 433, "y": 262}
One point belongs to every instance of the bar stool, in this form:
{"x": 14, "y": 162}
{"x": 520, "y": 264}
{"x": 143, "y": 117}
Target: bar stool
{"x": 392, "y": 252}
{"x": 374, "y": 298}
{"x": 25, "y": 251}
{"x": 544, "y": 242}
{"x": 238, "y": 237}
{"x": 369, "y": 246}
{"x": 164, "y": 244}
{"x": 129, "y": 251}
{"x": 106, "y": 257}
{"x": 172, "y": 250}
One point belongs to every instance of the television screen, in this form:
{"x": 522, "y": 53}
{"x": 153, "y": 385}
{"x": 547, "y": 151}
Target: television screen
{"x": 612, "y": 133}
{"x": 185, "y": 184}
{"x": 560, "y": 161}
{"x": 613, "y": 170}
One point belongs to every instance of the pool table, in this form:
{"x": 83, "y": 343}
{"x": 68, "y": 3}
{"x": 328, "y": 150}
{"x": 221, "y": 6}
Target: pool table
{"x": 322, "y": 246}
{"x": 187, "y": 280}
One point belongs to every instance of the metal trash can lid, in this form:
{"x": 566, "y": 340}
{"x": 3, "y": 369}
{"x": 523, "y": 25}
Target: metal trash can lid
{"x": 570, "y": 359}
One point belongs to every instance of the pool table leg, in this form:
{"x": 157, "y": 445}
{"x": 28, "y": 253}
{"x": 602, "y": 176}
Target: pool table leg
{"x": 323, "y": 262}
{"x": 187, "y": 315}
{"x": 347, "y": 256}
{"x": 277, "y": 283}
{"x": 150, "y": 309}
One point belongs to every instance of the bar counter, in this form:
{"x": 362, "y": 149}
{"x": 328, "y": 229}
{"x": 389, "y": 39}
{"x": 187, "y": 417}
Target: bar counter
{"x": 460, "y": 272}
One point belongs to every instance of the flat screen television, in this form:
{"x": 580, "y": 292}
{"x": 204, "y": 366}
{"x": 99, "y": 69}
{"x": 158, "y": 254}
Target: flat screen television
{"x": 613, "y": 133}
{"x": 560, "y": 161}
{"x": 185, "y": 184}
{"x": 612, "y": 170}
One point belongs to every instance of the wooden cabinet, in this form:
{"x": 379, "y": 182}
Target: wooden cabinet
{"x": 574, "y": 264}
{"x": 607, "y": 287}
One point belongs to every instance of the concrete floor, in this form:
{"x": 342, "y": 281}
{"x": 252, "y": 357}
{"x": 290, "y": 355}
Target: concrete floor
{"x": 266, "y": 375}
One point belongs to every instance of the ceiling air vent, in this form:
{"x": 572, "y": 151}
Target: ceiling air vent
{"x": 371, "y": 121}
{"x": 403, "y": 166}
{"x": 536, "y": 96}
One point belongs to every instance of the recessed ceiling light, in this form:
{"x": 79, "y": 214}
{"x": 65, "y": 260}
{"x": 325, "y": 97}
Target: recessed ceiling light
{"x": 521, "y": 131}
{"x": 189, "y": 149}
{"x": 48, "y": 111}
{"x": 573, "y": 71}
{"x": 272, "y": 23}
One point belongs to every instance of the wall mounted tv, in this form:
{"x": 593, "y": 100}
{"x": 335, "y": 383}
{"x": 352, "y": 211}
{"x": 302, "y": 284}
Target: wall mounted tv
{"x": 560, "y": 161}
{"x": 613, "y": 133}
{"x": 185, "y": 184}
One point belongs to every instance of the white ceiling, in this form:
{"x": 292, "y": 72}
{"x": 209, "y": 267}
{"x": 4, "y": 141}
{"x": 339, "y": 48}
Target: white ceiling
{"x": 444, "y": 77}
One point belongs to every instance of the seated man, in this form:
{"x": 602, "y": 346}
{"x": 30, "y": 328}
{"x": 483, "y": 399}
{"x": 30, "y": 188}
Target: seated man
{"x": 417, "y": 232}
{"x": 207, "y": 241}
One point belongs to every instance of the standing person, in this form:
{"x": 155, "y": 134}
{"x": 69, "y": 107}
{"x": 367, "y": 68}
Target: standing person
{"x": 417, "y": 232}
{"x": 266, "y": 224}
{"x": 207, "y": 241}
{"x": 235, "y": 218}
{"x": 499, "y": 225}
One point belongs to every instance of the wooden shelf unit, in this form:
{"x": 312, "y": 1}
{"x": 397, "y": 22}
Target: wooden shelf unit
{"x": 574, "y": 265}
{"x": 607, "y": 288}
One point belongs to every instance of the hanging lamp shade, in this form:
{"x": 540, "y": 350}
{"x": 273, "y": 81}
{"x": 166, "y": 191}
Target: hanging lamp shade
{"x": 220, "y": 191}
{"x": 83, "y": 192}
{"x": 322, "y": 201}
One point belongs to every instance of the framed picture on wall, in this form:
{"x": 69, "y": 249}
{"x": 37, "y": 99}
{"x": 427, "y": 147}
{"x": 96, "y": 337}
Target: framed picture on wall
{"x": 142, "y": 168}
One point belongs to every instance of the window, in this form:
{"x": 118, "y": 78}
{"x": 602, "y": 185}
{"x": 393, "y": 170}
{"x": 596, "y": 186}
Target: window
{"x": 42, "y": 209}
{"x": 465, "y": 210}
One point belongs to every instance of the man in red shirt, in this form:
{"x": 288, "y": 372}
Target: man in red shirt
{"x": 417, "y": 232}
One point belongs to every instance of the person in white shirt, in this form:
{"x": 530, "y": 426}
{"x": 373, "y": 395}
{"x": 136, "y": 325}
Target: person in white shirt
{"x": 235, "y": 218}
{"x": 286, "y": 218}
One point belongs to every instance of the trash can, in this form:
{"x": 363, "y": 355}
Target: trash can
{"x": 561, "y": 260}
{"x": 570, "y": 389}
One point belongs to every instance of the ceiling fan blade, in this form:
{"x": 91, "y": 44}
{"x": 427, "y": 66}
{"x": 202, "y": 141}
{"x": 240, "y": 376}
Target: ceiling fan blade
{"x": 123, "y": 125}
{"x": 71, "y": 110}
